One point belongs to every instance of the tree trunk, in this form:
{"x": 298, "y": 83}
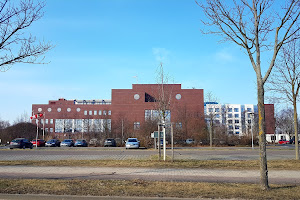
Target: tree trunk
{"x": 211, "y": 134}
{"x": 262, "y": 136}
{"x": 296, "y": 129}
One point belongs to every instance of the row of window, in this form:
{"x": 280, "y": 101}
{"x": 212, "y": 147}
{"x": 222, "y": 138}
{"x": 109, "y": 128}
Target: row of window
{"x": 229, "y": 109}
{"x": 236, "y": 127}
{"x": 95, "y": 112}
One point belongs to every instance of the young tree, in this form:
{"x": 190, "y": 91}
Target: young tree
{"x": 211, "y": 114}
{"x": 285, "y": 81}
{"x": 251, "y": 25}
{"x": 15, "y": 45}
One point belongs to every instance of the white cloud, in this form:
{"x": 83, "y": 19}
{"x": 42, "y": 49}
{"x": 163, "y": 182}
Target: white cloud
{"x": 161, "y": 54}
{"x": 224, "y": 55}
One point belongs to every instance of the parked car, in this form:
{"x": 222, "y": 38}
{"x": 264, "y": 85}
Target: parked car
{"x": 283, "y": 142}
{"x": 109, "y": 142}
{"x": 132, "y": 143}
{"x": 189, "y": 141}
{"x": 67, "y": 143}
{"x": 81, "y": 143}
{"x": 39, "y": 142}
{"x": 20, "y": 143}
{"x": 292, "y": 141}
{"x": 53, "y": 143}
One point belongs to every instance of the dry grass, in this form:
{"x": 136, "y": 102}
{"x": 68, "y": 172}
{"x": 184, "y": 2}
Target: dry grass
{"x": 154, "y": 163}
{"x": 146, "y": 188}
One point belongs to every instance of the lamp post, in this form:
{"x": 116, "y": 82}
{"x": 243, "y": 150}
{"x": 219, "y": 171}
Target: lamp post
{"x": 252, "y": 120}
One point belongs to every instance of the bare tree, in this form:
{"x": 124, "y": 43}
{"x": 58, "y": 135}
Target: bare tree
{"x": 211, "y": 114}
{"x": 15, "y": 45}
{"x": 284, "y": 121}
{"x": 250, "y": 25}
{"x": 24, "y": 117}
{"x": 163, "y": 96}
{"x": 286, "y": 80}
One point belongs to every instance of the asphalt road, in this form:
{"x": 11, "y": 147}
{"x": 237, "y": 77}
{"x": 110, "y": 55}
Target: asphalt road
{"x": 92, "y": 153}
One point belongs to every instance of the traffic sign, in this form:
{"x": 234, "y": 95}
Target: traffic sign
{"x": 155, "y": 134}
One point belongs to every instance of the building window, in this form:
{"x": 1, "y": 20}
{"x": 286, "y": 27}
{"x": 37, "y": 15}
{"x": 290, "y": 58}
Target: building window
{"x": 95, "y": 112}
{"x": 78, "y": 109}
{"x": 104, "y": 112}
{"x": 69, "y": 109}
{"x": 230, "y": 127}
{"x": 90, "y": 112}
{"x": 229, "y": 109}
{"x": 136, "y": 125}
{"x": 49, "y": 109}
{"x": 210, "y": 109}
{"x": 51, "y": 130}
{"x": 273, "y": 137}
{"x": 217, "y": 121}
{"x": 237, "y": 127}
{"x": 217, "y": 109}
{"x": 229, "y": 115}
{"x": 236, "y": 110}
{"x": 51, "y": 121}
{"x": 42, "y": 121}
{"x": 230, "y": 132}
{"x": 230, "y": 121}
{"x": 100, "y": 112}
{"x": 46, "y": 121}
{"x": 85, "y": 112}
{"x": 236, "y": 121}
{"x": 46, "y": 130}
{"x": 236, "y": 115}
{"x": 109, "y": 112}
{"x": 249, "y": 121}
{"x": 58, "y": 109}
{"x": 217, "y": 115}
{"x": 179, "y": 125}
{"x": 237, "y": 132}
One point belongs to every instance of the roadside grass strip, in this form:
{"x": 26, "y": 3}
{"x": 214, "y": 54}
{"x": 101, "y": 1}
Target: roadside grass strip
{"x": 141, "y": 188}
{"x": 154, "y": 163}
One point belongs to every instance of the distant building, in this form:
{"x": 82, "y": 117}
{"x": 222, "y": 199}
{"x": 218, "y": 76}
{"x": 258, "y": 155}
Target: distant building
{"x": 239, "y": 118}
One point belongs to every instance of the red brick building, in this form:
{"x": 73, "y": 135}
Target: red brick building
{"x": 128, "y": 108}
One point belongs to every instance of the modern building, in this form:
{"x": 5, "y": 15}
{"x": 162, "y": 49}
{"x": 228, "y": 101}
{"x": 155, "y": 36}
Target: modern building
{"x": 130, "y": 107}
{"x": 239, "y": 119}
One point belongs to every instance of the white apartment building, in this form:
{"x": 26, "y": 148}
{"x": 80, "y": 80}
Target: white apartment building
{"x": 237, "y": 118}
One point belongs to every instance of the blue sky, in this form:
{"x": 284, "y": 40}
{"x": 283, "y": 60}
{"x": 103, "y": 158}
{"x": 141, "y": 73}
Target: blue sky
{"x": 102, "y": 44}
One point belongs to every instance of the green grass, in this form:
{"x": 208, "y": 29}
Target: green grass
{"x": 142, "y": 188}
{"x": 154, "y": 163}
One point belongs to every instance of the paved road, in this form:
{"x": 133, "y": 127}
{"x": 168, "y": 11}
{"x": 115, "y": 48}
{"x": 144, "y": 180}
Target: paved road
{"x": 228, "y": 153}
{"x": 152, "y": 174}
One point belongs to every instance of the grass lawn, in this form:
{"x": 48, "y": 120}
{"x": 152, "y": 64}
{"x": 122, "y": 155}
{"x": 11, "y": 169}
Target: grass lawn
{"x": 142, "y": 188}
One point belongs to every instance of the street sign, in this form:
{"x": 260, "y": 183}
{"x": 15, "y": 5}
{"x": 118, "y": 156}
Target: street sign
{"x": 155, "y": 134}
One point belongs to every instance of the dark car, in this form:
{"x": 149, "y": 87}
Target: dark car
{"x": 110, "y": 142}
{"x": 53, "y": 143}
{"x": 67, "y": 143}
{"x": 81, "y": 143}
{"x": 292, "y": 141}
{"x": 20, "y": 143}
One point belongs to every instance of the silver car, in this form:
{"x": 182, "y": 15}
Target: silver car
{"x": 132, "y": 143}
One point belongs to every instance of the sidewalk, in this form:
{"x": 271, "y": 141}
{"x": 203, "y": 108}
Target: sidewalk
{"x": 151, "y": 174}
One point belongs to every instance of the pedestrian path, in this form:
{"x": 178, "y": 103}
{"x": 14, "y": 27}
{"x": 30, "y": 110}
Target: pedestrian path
{"x": 151, "y": 174}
